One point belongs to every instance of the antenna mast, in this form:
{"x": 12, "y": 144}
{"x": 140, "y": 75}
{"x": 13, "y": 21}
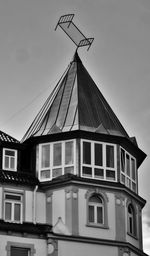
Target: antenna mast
{"x": 66, "y": 24}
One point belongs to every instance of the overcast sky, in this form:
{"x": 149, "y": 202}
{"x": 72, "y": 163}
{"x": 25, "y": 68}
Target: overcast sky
{"x": 33, "y": 57}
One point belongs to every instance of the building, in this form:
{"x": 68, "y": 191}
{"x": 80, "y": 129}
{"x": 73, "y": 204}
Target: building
{"x": 70, "y": 187}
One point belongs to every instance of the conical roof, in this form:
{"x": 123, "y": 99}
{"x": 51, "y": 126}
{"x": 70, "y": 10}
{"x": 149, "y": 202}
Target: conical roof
{"x": 76, "y": 103}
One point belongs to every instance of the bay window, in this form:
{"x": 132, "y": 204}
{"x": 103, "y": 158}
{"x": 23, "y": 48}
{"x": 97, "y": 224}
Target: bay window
{"x": 128, "y": 170}
{"x": 98, "y": 160}
{"x": 56, "y": 159}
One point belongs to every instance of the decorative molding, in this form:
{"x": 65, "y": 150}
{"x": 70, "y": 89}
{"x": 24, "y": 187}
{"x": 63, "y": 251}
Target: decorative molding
{"x": 52, "y": 247}
{"x": 101, "y": 193}
{"x": 98, "y": 191}
{"x": 131, "y": 201}
{"x": 120, "y": 217}
{"x": 106, "y": 242}
{"x": 49, "y": 203}
{"x": 71, "y": 209}
{"x": 123, "y": 251}
{"x": 21, "y": 245}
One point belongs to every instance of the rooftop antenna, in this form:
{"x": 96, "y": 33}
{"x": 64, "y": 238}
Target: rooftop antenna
{"x": 66, "y": 24}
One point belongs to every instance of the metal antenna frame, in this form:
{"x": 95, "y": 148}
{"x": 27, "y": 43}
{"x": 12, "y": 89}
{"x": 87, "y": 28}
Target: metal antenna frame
{"x": 66, "y": 24}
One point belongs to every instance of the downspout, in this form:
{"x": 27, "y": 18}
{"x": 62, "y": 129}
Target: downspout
{"x": 34, "y": 204}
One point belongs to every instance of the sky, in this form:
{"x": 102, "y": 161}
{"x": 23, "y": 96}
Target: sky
{"x": 33, "y": 56}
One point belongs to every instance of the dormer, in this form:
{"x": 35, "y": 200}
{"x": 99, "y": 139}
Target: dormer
{"x": 9, "y": 148}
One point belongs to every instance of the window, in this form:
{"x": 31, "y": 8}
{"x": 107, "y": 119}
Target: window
{"x": 56, "y": 159}
{"x": 131, "y": 220}
{"x": 128, "y": 170}
{"x": 20, "y": 249}
{"x": 98, "y": 160}
{"x": 97, "y": 212}
{"x": 10, "y": 159}
{"x": 13, "y": 207}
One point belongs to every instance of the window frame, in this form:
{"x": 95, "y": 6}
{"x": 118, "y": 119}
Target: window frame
{"x": 13, "y": 202}
{"x": 63, "y": 164}
{"x": 95, "y": 206}
{"x": 103, "y": 197}
{"x": 133, "y": 217}
{"x": 30, "y": 247}
{"x": 104, "y": 166}
{"x": 10, "y": 157}
{"x": 128, "y": 178}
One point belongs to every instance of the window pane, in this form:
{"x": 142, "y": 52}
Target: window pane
{"x": 86, "y": 152}
{"x": 133, "y": 168}
{"x": 133, "y": 186}
{"x": 110, "y": 175}
{"x": 109, "y": 156}
{"x": 128, "y": 183}
{"x": 122, "y": 160}
{"x": 128, "y": 164}
{"x": 17, "y": 212}
{"x": 45, "y": 156}
{"x": 98, "y": 154}
{"x": 12, "y": 163}
{"x": 57, "y": 172}
{"x": 99, "y": 215}
{"x": 45, "y": 174}
{"x": 87, "y": 171}
{"x": 99, "y": 173}
{"x": 13, "y": 197}
{"x": 122, "y": 178}
{"x": 91, "y": 213}
{"x": 69, "y": 169}
{"x": 6, "y": 162}
{"x": 69, "y": 152}
{"x": 95, "y": 199}
{"x": 8, "y": 210}
{"x": 57, "y": 154}
{"x": 16, "y": 251}
{"x": 9, "y": 153}
{"x": 131, "y": 225}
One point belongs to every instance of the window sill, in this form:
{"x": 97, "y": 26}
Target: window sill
{"x": 133, "y": 236}
{"x": 11, "y": 170}
{"x": 97, "y": 226}
{"x": 12, "y": 221}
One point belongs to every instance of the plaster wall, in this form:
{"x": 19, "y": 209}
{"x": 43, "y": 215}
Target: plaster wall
{"x": 132, "y": 240}
{"x": 1, "y": 207}
{"x": 58, "y": 205}
{"x": 40, "y": 207}
{"x": 40, "y": 245}
{"x": 82, "y": 249}
{"x": 28, "y": 206}
{"x": 96, "y": 232}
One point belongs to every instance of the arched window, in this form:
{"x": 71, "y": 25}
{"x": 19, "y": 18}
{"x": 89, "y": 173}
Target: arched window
{"x": 131, "y": 220}
{"x": 96, "y": 210}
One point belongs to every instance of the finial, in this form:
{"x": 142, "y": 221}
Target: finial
{"x": 66, "y": 24}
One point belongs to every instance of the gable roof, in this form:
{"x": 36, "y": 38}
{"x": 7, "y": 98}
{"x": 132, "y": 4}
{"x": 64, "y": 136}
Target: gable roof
{"x": 76, "y": 103}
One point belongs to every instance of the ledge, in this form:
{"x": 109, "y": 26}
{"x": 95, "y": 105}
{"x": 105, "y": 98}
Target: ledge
{"x": 25, "y": 227}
